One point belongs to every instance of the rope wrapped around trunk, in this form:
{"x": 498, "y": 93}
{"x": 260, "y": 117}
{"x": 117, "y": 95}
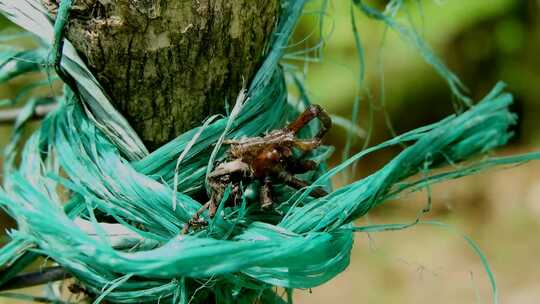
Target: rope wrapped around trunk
{"x": 85, "y": 163}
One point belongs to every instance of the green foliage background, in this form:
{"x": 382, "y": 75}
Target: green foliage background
{"x": 482, "y": 41}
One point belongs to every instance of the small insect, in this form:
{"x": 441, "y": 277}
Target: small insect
{"x": 266, "y": 160}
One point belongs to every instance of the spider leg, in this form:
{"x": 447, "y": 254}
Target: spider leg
{"x": 227, "y": 169}
{"x": 307, "y": 145}
{"x": 296, "y": 166}
{"x": 314, "y": 111}
{"x": 218, "y": 185}
{"x": 265, "y": 194}
{"x": 235, "y": 193}
{"x": 211, "y": 206}
{"x": 214, "y": 202}
{"x": 217, "y": 181}
{"x": 196, "y": 218}
{"x": 297, "y": 183}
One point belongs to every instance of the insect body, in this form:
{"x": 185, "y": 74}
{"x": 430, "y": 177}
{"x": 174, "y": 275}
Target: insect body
{"x": 268, "y": 159}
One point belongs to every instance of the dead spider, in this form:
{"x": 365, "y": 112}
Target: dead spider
{"x": 266, "y": 159}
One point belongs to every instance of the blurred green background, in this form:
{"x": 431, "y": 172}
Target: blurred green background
{"x": 483, "y": 42}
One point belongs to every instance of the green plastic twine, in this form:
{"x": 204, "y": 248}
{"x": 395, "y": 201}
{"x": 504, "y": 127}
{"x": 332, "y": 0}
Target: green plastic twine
{"x": 87, "y": 147}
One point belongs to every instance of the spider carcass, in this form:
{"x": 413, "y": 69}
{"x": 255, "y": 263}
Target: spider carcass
{"x": 267, "y": 159}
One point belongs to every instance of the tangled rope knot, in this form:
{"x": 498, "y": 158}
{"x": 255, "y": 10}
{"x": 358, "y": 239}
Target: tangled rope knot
{"x": 88, "y": 195}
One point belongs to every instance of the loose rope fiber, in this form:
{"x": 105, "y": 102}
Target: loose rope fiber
{"x": 85, "y": 162}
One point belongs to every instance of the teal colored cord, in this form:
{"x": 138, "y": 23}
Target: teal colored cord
{"x": 84, "y": 169}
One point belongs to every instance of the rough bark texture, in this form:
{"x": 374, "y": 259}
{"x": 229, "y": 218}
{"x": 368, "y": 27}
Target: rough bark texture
{"x": 169, "y": 64}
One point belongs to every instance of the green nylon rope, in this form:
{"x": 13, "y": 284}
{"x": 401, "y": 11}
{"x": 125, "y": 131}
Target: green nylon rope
{"x": 88, "y": 149}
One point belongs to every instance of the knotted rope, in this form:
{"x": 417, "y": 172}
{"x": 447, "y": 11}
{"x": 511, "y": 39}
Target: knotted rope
{"x": 85, "y": 163}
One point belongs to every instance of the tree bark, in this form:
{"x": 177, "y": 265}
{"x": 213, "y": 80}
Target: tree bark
{"x": 169, "y": 64}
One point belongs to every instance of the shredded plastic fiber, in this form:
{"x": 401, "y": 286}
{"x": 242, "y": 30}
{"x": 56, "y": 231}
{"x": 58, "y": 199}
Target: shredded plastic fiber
{"x": 85, "y": 163}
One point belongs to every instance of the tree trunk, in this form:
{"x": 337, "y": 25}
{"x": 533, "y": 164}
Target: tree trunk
{"x": 169, "y": 64}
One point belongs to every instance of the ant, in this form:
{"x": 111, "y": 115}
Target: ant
{"x": 267, "y": 159}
